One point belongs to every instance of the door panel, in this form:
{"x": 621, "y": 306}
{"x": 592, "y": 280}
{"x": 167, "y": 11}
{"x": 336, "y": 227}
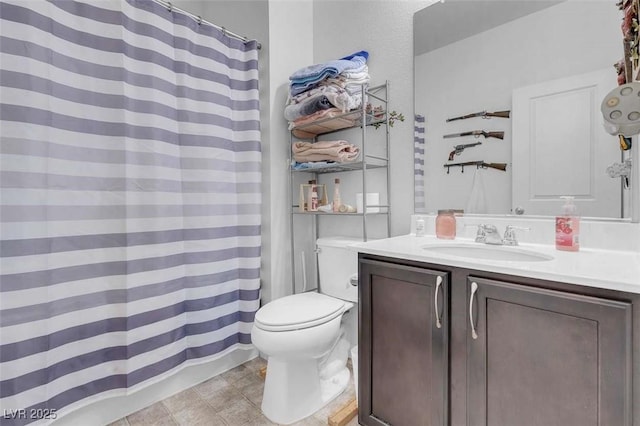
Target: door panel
{"x": 561, "y": 148}
{"x": 403, "y": 352}
{"x": 527, "y": 350}
{"x": 545, "y": 358}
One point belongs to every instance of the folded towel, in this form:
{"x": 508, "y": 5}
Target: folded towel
{"x": 339, "y": 151}
{"x": 297, "y": 89}
{"x": 311, "y": 165}
{"x": 298, "y": 86}
{"x": 309, "y": 77}
{"x": 362, "y": 53}
{"x": 318, "y": 103}
{"x": 339, "y": 97}
{"x": 311, "y": 72}
{"x": 313, "y": 102}
{"x": 356, "y": 73}
{"x": 352, "y": 82}
{"x": 319, "y": 122}
{"x": 317, "y": 116}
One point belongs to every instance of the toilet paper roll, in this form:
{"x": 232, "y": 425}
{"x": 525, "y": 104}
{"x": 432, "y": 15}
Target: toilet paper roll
{"x": 346, "y": 208}
{"x": 373, "y": 199}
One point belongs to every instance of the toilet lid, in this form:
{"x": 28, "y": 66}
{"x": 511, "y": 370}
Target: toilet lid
{"x": 298, "y": 311}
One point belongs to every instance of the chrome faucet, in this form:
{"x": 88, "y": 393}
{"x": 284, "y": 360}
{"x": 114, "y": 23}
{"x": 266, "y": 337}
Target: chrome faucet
{"x": 488, "y": 234}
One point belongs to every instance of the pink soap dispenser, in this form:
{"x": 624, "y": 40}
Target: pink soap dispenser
{"x": 568, "y": 227}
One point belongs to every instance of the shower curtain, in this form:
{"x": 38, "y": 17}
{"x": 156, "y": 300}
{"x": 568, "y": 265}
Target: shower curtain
{"x": 130, "y": 200}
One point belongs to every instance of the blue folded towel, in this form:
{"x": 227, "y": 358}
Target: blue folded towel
{"x": 311, "y": 165}
{"x": 329, "y": 69}
{"x": 362, "y": 53}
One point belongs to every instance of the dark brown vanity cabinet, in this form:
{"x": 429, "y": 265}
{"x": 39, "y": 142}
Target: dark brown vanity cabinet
{"x": 545, "y": 357}
{"x": 508, "y": 351}
{"x": 402, "y": 345}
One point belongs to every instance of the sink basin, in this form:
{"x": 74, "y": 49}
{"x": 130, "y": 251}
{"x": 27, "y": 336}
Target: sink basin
{"x": 487, "y": 252}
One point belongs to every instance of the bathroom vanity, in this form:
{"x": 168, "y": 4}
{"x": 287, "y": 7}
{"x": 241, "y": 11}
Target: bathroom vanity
{"x": 449, "y": 340}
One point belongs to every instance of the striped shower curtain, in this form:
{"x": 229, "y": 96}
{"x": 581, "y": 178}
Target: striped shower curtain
{"x": 130, "y": 199}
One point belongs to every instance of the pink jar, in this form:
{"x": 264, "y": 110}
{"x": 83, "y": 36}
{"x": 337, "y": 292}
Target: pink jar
{"x": 446, "y": 224}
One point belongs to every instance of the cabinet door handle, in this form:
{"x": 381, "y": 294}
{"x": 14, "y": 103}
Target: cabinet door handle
{"x": 474, "y": 288}
{"x": 435, "y": 302}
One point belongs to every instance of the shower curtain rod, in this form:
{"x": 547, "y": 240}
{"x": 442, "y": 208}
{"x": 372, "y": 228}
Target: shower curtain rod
{"x": 199, "y": 20}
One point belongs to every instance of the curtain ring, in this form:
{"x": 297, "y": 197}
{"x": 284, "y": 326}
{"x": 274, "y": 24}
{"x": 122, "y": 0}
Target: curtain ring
{"x": 169, "y": 6}
{"x": 199, "y": 20}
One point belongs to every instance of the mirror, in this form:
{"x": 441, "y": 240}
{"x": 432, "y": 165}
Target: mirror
{"x": 550, "y": 63}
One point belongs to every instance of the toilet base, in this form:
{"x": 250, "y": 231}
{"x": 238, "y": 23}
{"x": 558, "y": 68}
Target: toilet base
{"x": 333, "y": 387}
{"x": 294, "y": 390}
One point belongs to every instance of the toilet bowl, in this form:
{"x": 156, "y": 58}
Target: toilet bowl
{"x": 307, "y": 338}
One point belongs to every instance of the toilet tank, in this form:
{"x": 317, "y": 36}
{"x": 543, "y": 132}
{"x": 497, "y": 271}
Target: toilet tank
{"x": 337, "y": 266}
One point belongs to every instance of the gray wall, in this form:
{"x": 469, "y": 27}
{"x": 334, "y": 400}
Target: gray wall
{"x": 385, "y": 29}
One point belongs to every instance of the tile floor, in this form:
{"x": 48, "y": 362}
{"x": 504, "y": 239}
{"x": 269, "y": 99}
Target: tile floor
{"x": 230, "y": 399}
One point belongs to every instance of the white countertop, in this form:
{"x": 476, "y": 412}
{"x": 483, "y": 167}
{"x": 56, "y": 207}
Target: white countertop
{"x": 608, "y": 269}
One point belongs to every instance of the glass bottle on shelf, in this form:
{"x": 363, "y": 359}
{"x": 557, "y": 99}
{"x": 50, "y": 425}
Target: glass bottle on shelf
{"x": 313, "y": 202}
{"x": 336, "y": 196}
{"x": 309, "y": 195}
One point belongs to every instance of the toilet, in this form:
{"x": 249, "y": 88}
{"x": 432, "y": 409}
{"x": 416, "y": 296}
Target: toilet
{"x": 307, "y": 337}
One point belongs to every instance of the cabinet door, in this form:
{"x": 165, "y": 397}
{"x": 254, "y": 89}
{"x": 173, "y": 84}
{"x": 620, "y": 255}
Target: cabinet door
{"x": 542, "y": 357}
{"x": 403, "y": 332}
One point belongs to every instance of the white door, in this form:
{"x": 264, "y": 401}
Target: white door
{"x": 561, "y": 148}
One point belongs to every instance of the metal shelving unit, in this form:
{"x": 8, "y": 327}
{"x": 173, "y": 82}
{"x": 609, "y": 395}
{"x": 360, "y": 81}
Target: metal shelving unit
{"x": 359, "y": 119}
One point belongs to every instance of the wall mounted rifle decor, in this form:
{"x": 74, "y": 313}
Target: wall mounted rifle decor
{"x": 483, "y": 114}
{"x": 478, "y": 164}
{"x": 477, "y": 134}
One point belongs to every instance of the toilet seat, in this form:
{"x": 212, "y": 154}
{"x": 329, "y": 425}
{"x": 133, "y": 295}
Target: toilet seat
{"x": 299, "y": 311}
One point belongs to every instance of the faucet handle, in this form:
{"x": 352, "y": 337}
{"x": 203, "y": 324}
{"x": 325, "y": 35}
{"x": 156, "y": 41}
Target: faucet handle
{"x": 510, "y": 234}
{"x": 480, "y": 234}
